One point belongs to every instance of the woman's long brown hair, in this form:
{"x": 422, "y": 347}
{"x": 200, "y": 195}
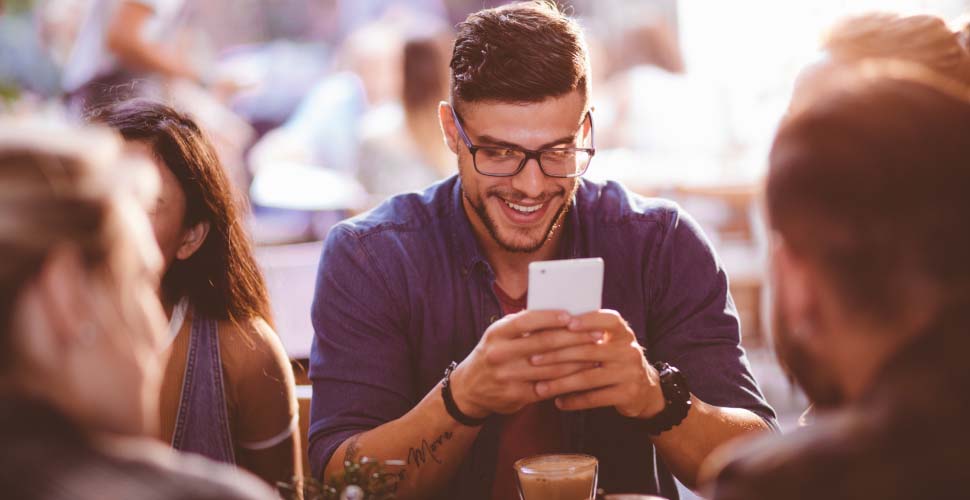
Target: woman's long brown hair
{"x": 221, "y": 280}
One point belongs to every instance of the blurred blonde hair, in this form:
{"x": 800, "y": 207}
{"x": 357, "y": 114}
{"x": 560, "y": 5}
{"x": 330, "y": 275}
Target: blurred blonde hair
{"x": 921, "y": 39}
{"x": 841, "y": 76}
{"x": 56, "y": 188}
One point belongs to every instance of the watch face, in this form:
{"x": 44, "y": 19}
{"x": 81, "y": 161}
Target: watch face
{"x": 674, "y": 384}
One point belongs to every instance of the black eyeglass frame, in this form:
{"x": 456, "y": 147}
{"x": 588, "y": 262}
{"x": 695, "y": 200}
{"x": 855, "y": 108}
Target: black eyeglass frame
{"x": 535, "y": 154}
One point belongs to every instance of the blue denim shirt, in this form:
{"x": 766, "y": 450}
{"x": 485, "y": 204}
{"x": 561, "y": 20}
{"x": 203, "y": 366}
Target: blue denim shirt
{"x": 405, "y": 289}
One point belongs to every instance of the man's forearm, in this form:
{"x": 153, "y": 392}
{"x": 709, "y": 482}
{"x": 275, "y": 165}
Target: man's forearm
{"x": 685, "y": 447}
{"x": 427, "y": 439}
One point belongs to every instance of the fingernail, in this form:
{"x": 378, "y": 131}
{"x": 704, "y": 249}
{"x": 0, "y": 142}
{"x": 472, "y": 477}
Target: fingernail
{"x": 564, "y": 317}
{"x": 574, "y": 324}
{"x": 536, "y": 359}
{"x": 542, "y": 388}
{"x": 596, "y": 335}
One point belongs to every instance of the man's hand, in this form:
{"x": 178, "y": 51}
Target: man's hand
{"x": 497, "y": 376}
{"x": 621, "y": 376}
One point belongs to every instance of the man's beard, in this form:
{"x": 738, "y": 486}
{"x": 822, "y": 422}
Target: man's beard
{"x": 492, "y": 227}
{"x": 810, "y": 373}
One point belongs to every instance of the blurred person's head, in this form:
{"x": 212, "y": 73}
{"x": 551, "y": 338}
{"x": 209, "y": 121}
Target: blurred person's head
{"x": 520, "y": 78}
{"x": 651, "y": 41}
{"x": 197, "y": 223}
{"x": 373, "y": 53}
{"x": 867, "y": 199}
{"x": 81, "y": 327}
{"x": 425, "y": 84}
{"x": 920, "y": 39}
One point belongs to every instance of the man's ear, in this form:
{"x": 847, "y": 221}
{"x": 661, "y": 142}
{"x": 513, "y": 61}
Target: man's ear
{"x": 795, "y": 290}
{"x": 192, "y": 239}
{"x": 448, "y": 129}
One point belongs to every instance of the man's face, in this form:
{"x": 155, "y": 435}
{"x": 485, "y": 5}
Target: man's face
{"x": 522, "y": 212}
{"x": 799, "y": 350}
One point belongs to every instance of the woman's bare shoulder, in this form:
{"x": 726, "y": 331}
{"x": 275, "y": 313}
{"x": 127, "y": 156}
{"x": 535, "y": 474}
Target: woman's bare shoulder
{"x": 253, "y": 346}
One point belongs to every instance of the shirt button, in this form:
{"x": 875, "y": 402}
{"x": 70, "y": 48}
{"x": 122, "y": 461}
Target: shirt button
{"x": 492, "y": 319}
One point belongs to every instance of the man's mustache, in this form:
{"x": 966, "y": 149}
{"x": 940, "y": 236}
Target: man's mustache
{"x": 517, "y": 196}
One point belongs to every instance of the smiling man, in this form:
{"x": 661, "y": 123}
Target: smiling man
{"x": 422, "y": 350}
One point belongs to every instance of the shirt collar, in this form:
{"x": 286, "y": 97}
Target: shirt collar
{"x": 463, "y": 235}
{"x": 573, "y": 237}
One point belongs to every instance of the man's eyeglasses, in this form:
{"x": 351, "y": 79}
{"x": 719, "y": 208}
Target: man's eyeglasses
{"x": 507, "y": 161}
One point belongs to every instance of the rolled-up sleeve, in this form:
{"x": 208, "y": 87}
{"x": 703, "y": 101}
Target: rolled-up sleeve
{"x": 359, "y": 361}
{"x": 693, "y": 323}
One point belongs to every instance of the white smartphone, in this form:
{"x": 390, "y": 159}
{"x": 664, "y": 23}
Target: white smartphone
{"x": 573, "y": 285}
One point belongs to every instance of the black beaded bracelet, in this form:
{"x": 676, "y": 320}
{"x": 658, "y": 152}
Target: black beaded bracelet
{"x": 450, "y": 404}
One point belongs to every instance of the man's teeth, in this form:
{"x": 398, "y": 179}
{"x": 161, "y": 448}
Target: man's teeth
{"x": 524, "y": 209}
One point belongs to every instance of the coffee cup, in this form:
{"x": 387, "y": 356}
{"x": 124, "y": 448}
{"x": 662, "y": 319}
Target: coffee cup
{"x": 557, "y": 477}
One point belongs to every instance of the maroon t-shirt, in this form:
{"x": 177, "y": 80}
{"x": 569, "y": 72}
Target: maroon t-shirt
{"x": 532, "y": 430}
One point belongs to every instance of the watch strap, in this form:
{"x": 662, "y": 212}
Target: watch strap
{"x": 677, "y": 400}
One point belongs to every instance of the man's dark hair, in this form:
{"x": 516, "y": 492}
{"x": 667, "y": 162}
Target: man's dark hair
{"x": 871, "y": 181}
{"x": 519, "y": 53}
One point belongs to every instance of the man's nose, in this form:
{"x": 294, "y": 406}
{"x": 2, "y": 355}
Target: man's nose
{"x": 530, "y": 181}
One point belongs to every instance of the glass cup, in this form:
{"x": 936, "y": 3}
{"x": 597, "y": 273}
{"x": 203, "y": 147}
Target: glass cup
{"x": 557, "y": 477}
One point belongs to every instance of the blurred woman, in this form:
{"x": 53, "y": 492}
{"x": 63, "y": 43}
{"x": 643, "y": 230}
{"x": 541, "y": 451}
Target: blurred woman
{"x": 228, "y": 391}
{"x": 81, "y": 331}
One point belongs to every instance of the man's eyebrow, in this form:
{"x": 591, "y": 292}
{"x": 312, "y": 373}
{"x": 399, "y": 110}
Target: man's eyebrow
{"x": 492, "y": 141}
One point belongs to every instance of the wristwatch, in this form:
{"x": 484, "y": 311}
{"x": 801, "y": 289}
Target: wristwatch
{"x": 673, "y": 383}
{"x": 450, "y": 404}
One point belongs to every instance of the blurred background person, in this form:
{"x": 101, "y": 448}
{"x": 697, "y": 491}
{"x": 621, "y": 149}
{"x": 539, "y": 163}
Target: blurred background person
{"x": 920, "y": 39}
{"x": 25, "y": 65}
{"x": 228, "y": 387}
{"x": 82, "y": 330}
{"x": 126, "y": 48}
{"x": 147, "y": 48}
{"x": 408, "y": 153}
{"x": 365, "y": 131}
{"x": 865, "y": 195}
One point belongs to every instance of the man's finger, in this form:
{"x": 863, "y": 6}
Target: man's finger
{"x": 539, "y": 373}
{"x": 602, "y": 320}
{"x": 578, "y": 382}
{"x": 514, "y": 325}
{"x": 597, "y": 398}
{"x": 590, "y": 352}
{"x": 540, "y": 342}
